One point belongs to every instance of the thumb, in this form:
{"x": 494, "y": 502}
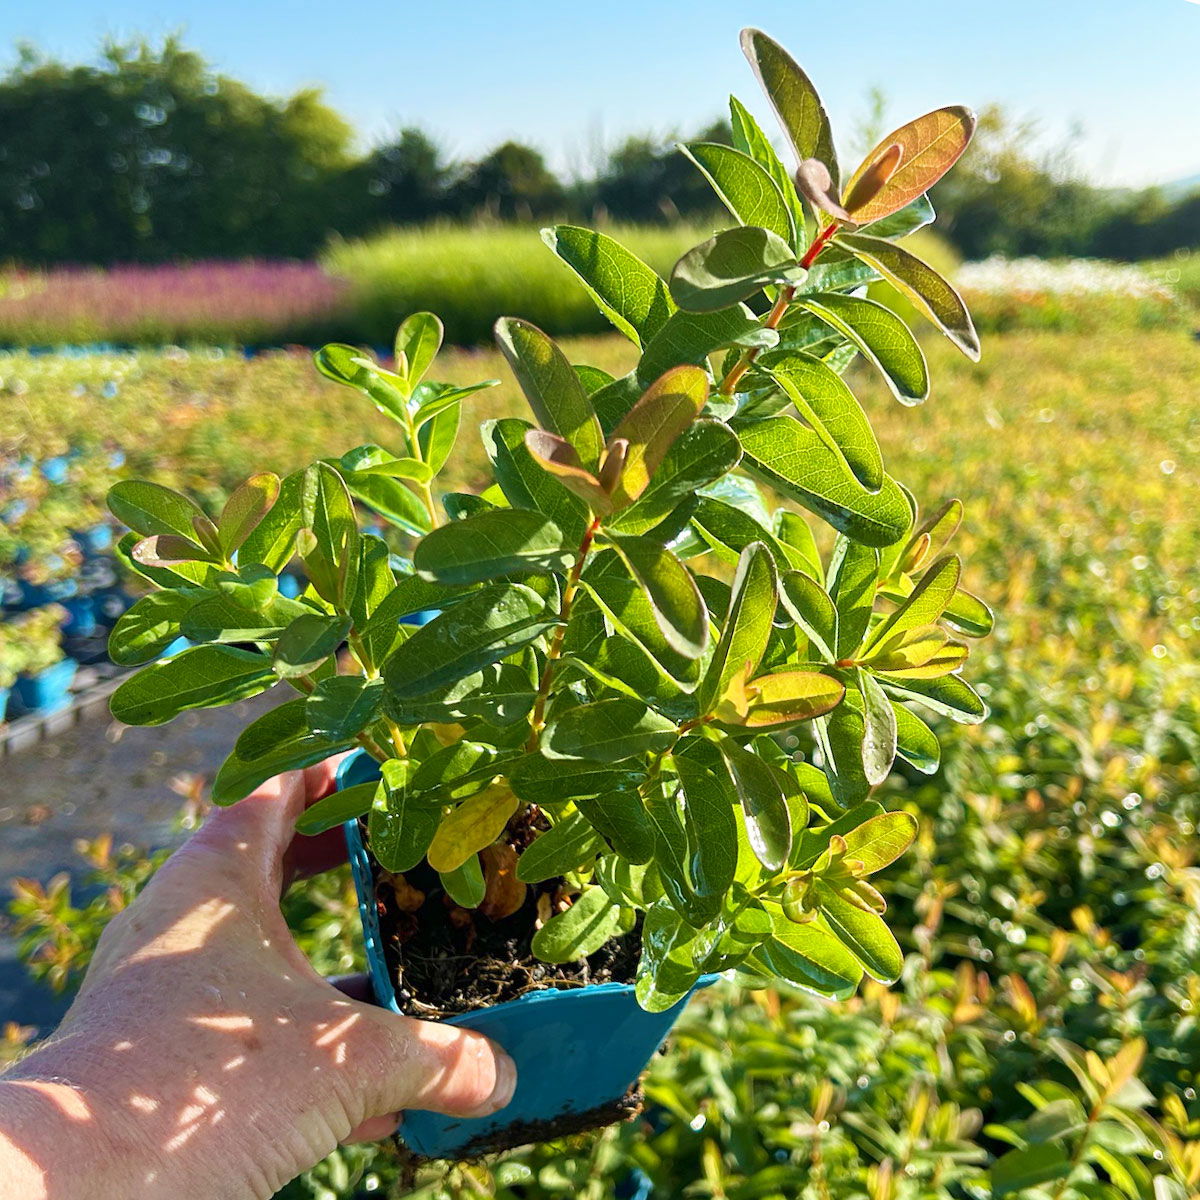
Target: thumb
{"x": 434, "y": 1066}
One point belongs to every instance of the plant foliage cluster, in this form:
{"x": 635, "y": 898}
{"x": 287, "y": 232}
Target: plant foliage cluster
{"x": 592, "y": 672}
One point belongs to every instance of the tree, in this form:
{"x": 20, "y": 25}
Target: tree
{"x": 151, "y": 155}
{"x": 646, "y": 179}
{"x": 511, "y": 183}
{"x": 408, "y": 178}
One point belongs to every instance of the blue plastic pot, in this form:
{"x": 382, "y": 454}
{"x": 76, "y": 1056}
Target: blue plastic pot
{"x": 34, "y": 595}
{"x": 178, "y": 646}
{"x": 56, "y": 470}
{"x": 290, "y": 586}
{"x": 49, "y": 690}
{"x": 95, "y": 541}
{"x": 4, "y": 694}
{"x": 81, "y": 616}
{"x": 576, "y": 1050}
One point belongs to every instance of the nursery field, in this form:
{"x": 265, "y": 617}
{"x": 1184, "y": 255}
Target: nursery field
{"x": 1051, "y": 907}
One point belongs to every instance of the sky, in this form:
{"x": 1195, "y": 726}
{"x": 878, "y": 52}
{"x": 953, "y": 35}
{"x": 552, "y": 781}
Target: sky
{"x": 1121, "y": 76}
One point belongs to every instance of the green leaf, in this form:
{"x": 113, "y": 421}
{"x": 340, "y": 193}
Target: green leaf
{"x": 671, "y": 854}
{"x": 729, "y": 530}
{"x": 502, "y": 541}
{"x": 569, "y": 845}
{"x": 929, "y": 147}
{"x": 878, "y": 842}
{"x": 731, "y": 266}
{"x": 486, "y": 627}
{"x": 840, "y": 736}
{"x": 551, "y": 387}
{"x": 332, "y": 556}
{"x": 374, "y": 460}
{"x": 432, "y": 399}
{"x": 547, "y": 782}
{"x": 828, "y": 405}
{"x": 390, "y": 498}
{"x": 881, "y": 336}
{"x": 626, "y": 291}
{"x": 879, "y": 730}
{"x": 702, "y": 454}
{"x": 747, "y": 626}
{"x": 342, "y": 706}
{"x": 668, "y": 969}
{"x": 916, "y": 279}
{"x": 153, "y": 510}
{"x": 948, "y": 695}
{"x": 622, "y": 818}
{"x": 245, "y": 508}
{"x": 525, "y": 483}
{"x": 307, "y": 642}
{"x": 221, "y": 618}
{"x": 627, "y": 606}
{"x": 201, "y": 677}
{"x": 794, "y": 461}
{"x": 745, "y": 188}
{"x": 749, "y": 138}
{"x": 437, "y": 436}
{"x": 691, "y": 337}
{"x": 768, "y": 821}
{"x": 177, "y": 575}
{"x": 337, "y": 808}
{"x": 418, "y": 340}
{"x": 580, "y": 931}
{"x": 382, "y": 632}
{"x": 671, "y": 591}
{"x": 400, "y": 825}
{"x": 145, "y": 630}
{"x": 853, "y": 576}
{"x": 355, "y": 368}
{"x": 1019, "y": 1170}
{"x": 811, "y": 958}
{"x": 812, "y": 843}
{"x": 273, "y": 539}
{"x": 709, "y": 798}
{"x": 969, "y": 615}
{"x": 864, "y": 933}
{"x": 916, "y": 743}
{"x": 810, "y": 606}
{"x": 794, "y": 99}
{"x": 608, "y": 731}
{"x": 466, "y": 885}
{"x": 667, "y": 408}
{"x": 924, "y": 604}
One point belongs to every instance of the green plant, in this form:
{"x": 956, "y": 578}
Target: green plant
{"x": 596, "y": 698}
{"x": 38, "y": 638}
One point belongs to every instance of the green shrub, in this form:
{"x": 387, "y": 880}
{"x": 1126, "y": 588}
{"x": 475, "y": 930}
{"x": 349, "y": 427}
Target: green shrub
{"x": 471, "y": 274}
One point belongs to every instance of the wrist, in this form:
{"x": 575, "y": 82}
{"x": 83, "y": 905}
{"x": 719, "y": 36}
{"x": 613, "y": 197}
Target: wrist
{"x": 59, "y": 1140}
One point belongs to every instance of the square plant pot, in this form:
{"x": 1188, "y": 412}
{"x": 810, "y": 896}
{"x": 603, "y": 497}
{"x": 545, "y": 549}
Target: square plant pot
{"x": 49, "y": 691}
{"x": 579, "y": 1051}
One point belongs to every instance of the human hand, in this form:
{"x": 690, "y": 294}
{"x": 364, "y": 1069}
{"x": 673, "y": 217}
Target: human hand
{"x": 204, "y": 1056}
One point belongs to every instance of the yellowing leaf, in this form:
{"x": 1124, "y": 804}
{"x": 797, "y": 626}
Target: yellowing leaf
{"x": 929, "y": 147}
{"x": 474, "y": 824}
{"x": 790, "y": 696}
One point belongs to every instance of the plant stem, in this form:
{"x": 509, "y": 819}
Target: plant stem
{"x": 775, "y": 316}
{"x": 538, "y": 718}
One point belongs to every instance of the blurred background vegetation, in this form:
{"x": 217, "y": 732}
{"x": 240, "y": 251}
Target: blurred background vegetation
{"x": 152, "y": 156}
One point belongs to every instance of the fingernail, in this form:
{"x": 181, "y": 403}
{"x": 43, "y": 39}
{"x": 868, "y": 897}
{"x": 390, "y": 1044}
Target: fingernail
{"x": 506, "y": 1082}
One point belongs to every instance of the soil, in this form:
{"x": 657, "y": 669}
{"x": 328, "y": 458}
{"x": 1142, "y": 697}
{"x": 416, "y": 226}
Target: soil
{"x": 448, "y": 960}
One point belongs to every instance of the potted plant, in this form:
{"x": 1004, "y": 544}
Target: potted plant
{"x": 10, "y": 663}
{"x": 46, "y": 674}
{"x": 638, "y": 743}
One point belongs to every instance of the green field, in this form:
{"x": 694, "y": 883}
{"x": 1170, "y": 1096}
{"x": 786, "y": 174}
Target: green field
{"x": 1052, "y": 898}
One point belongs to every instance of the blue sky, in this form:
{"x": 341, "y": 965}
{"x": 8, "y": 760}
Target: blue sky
{"x": 572, "y": 78}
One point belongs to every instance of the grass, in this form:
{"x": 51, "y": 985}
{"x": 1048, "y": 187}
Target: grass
{"x": 470, "y": 276}
{"x": 1052, "y": 898}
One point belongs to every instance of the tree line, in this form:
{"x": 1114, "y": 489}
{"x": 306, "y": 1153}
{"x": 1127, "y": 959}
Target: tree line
{"x": 150, "y": 155}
